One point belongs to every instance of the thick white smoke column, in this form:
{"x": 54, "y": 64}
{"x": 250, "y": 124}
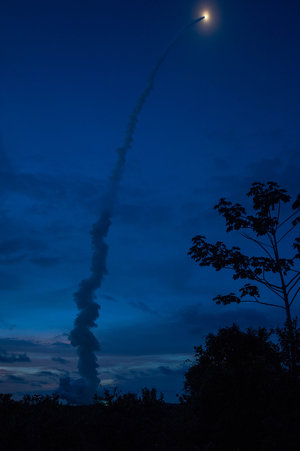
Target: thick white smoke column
{"x": 81, "y": 336}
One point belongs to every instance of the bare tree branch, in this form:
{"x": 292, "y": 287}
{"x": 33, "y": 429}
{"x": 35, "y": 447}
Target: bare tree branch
{"x": 264, "y": 303}
{"x": 278, "y": 213}
{"x": 269, "y": 286}
{"x": 289, "y": 217}
{"x": 272, "y": 242}
{"x": 277, "y": 287}
{"x": 294, "y": 297}
{"x": 286, "y": 233}
{"x": 259, "y": 244}
{"x": 293, "y": 278}
{"x": 294, "y": 284}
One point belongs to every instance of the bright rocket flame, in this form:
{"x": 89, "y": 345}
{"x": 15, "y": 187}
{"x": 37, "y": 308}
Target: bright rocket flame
{"x": 210, "y": 12}
{"x": 206, "y": 15}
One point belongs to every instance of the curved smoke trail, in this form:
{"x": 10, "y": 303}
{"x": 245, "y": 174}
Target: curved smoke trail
{"x": 81, "y": 336}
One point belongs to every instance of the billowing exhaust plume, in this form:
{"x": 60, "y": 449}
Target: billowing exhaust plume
{"x": 82, "y": 390}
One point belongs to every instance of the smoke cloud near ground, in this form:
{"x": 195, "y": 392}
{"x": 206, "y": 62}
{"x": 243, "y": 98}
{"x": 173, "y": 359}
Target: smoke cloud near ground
{"x": 81, "y": 336}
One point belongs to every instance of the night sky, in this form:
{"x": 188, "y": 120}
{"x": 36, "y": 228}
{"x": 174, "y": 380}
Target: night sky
{"x": 224, "y": 113}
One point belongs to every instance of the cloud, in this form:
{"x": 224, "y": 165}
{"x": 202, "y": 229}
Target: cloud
{"x": 60, "y": 360}
{"x": 46, "y": 373}
{"x": 61, "y": 344}
{"x": 10, "y": 246}
{"x": 15, "y": 379}
{"x": 221, "y": 164}
{"x": 13, "y": 358}
{"x": 6, "y": 325}
{"x": 166, "y": 379}
{"x": 284, "y": 169}
{"x": 146, "y": 215}
{"x": 16, "y": 343}
{"x": 199, "y": 322}
{"x": 5, "y": 165}
{"x": 179, "y": 330}
{"x": 165, "y": 370}
{"x": 155, "y": 336}
{"x": 16, "y": 250}
{"x": 108, "y": 297}
{"x": 45, "y": 262}
{"x": 9, "y": 282}
{"x": 44, "y": 189}
{"x": 142, "y": 307}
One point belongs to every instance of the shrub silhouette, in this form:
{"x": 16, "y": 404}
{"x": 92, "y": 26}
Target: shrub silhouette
{"x": 241, "y": 392}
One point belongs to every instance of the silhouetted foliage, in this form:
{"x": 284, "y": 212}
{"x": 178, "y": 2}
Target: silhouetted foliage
{"x": 126, "y": 421}
{"x": 240, "y": 393}
{"x": 288, "y": 335}
{"x": 272, "y": 271}
{"x": 237, "y": 398}
{"x": 113, "y": 398}
{"x": 234, "y": 357}
{"x": 47, "y": 400}
{"x": 6, "y": 399}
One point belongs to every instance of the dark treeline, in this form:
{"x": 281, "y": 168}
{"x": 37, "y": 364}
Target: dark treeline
{"x": 238, "y": 395}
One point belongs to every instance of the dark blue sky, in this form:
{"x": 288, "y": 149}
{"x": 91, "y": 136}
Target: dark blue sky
{"x": 224, "y": 113}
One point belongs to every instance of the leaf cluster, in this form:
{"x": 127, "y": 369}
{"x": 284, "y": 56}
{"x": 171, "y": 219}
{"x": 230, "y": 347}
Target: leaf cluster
{"x": 266, "y": 222}
{"x": 266, "y": 199}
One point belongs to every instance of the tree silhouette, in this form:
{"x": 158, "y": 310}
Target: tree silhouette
{"x": 233, "y": 361}
{"x": 240, "y": 393}
{"x": 267, "y": 230}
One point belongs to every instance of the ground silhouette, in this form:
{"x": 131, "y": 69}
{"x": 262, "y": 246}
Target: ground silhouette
{"x": 239, "y": 395}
